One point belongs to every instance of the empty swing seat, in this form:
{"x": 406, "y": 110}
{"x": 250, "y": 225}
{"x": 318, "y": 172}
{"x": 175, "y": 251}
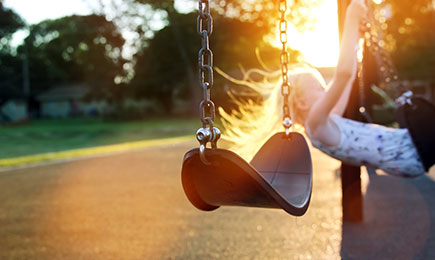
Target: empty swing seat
{"x": 279, "y": 176}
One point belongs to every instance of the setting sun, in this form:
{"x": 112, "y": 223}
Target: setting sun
{"x": 320, "y": 45}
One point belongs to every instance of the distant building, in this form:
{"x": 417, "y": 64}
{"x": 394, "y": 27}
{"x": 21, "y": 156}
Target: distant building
{"x": 69, "y": 101}
{"x": 13, "y": 106}
{"x": 14, "y": 110}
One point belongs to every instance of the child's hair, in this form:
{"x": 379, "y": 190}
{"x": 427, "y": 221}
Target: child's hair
{"x": 301, "y": 80}
{"x": 253, "y": 123}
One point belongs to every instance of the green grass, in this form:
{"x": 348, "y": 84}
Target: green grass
{"x": 45, "y": 136}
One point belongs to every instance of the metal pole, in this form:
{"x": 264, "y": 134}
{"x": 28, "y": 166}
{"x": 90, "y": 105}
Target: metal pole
{"x": 352, "y": 202}
{"x": 26, "y": 81}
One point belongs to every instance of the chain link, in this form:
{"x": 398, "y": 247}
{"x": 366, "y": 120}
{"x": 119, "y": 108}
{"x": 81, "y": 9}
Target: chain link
{"x": 208, "y": 133}
{"x": 373, "y": 41}
{"x": 362, "y": 94}
{"x": 372, "y": 30}
{"x": 205, "y": 61}
{"x": 284, "y": 58}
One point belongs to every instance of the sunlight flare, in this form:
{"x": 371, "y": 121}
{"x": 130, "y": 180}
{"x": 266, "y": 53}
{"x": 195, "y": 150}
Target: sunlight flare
{"x": 319, "y": 46}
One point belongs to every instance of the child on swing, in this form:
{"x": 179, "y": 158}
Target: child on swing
{"x": 321, "y": 111}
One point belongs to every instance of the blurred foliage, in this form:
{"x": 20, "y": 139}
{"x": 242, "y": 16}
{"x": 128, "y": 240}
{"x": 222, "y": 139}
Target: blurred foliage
{"x": 74, "y": 49}
{"x": 163, "y": 67}
{"x": 160, "y": 68}
{"x": 166, "y": 68}
{"x": 411, "y": 32}
{"x": 10, "y": 22}
{"x": 10, "y": 65}
{"x": 87, "y": 49}
{"x": 263, "y": 13}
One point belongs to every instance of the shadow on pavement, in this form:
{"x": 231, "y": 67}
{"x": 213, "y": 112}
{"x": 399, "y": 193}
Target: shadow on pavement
{"x": 397, "y": 221}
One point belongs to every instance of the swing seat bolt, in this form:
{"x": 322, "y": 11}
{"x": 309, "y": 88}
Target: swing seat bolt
{"x": 203, "y": 135}
{"x": 216, "y": 134}
{"x": 287, "y": 123}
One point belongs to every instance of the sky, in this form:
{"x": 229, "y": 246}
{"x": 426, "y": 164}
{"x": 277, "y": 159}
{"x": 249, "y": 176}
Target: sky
{"x": 36, "y": 11}
{"x": 325, "y": 31}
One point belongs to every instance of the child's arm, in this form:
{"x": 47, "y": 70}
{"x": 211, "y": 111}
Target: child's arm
{"x": 341, "y": 105}
{"x": 346, "y": 68}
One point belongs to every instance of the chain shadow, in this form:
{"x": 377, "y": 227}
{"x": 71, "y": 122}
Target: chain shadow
{"x": 398, "y": 216}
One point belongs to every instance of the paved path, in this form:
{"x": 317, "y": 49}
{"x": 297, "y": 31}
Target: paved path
{"x": 131, "y": 206}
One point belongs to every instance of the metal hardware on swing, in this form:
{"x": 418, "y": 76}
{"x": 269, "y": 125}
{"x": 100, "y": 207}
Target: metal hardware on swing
{"x": 385, "y": 64}
{"x": 284, "y": 57}
{"x": 208, "y": 133}
{"x": 405, "y": 98}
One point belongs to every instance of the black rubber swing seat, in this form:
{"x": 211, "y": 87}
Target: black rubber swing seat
{"x": 279, "y": 176}
{"x": 419, "y": 118}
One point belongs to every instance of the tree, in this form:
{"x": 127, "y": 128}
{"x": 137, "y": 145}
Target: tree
{"x": 411, "y": 35}
{"x": 10, "y": 22}
{"x": 84, "y": 49}
{"x": 166, "y": 63}
{"x": 161, "y": 69}
{"x": 263, "y": 13}
{"x": 10, "y": 64}
{"x": 242, "y": 28}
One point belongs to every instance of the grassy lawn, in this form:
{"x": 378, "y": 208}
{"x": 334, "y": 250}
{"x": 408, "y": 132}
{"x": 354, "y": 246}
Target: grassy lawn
{"x": 44, "y": 136}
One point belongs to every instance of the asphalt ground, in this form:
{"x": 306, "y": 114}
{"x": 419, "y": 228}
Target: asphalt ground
{"x": 132, "y": 206}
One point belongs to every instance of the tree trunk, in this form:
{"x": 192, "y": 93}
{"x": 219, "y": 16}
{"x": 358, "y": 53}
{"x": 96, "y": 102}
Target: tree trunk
{"x": 193, "y": 83}
{"x": 352, "y": 201}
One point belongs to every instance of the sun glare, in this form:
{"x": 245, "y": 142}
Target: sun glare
{"x": 319, "y": 46}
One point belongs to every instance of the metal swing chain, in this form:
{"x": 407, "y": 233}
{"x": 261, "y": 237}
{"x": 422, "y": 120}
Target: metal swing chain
{"x": 383, "y": 60}
{"x": 208, "y": 133}
{"x": 362, "y": 98}
{"x": 284, "y": 57}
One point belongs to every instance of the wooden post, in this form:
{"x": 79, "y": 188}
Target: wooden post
{"x": 352, "y": 202}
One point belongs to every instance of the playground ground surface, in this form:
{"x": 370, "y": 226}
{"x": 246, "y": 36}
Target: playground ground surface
{"x": 131, "y": 206}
